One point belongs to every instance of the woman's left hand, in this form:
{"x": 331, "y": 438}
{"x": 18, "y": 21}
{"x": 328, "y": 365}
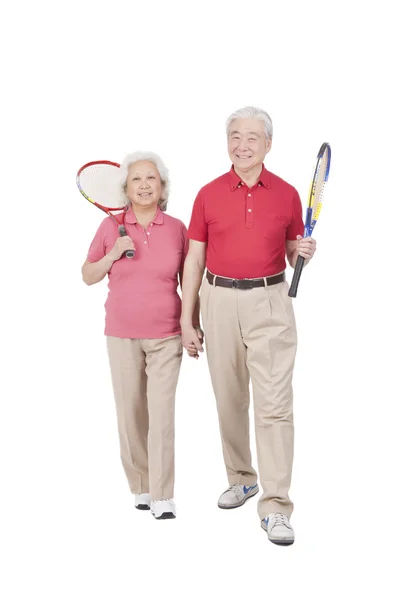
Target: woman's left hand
{"x": 191, "y": 348}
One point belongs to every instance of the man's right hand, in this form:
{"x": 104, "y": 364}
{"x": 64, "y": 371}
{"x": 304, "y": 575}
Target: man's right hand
{"x": 192, "y": 341}
{"x": 121, "y": 245}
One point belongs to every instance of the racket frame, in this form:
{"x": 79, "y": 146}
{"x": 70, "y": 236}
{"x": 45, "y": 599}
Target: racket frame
{"x": 310, "y": 224}
{"x": 310, "y": 220}
{"x": 119, "y": 218}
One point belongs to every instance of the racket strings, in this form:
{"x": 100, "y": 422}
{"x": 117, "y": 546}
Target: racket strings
{"x": 318, "y": 186}
{"x": 101, "y": 183}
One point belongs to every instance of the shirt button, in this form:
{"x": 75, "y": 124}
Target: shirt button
{"x": 148, "y": 233}
{"x": 152, "y": 224}
{"x": 145, "y": 242}
{"x": 249, "y": 209}
{"x": 249, "y": 195}
{"x": 259, "y": 184}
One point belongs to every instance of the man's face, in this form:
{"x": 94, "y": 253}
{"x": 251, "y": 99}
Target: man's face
{"x": 247, "y": 143}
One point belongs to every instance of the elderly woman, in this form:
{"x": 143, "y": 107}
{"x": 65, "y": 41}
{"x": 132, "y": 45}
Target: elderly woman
{"x": 143, "y": 331}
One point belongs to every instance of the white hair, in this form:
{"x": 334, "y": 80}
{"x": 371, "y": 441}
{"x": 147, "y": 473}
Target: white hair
{"x": 130, "y": 159}
{"x": 252, "y": 112}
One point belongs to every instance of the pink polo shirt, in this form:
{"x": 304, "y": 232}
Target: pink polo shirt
{"x": 143, "y": 301}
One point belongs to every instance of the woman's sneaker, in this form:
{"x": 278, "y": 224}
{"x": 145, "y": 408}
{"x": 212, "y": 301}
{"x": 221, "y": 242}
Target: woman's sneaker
{"x": 142, "y": 501}
{"x": 279, "y": 529}
{"x": 163, "y": 509}
{"x": 237, "y": 495}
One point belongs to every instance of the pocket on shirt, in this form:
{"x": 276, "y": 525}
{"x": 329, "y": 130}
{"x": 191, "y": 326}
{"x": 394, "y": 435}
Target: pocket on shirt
{"x": 275, "y": 228}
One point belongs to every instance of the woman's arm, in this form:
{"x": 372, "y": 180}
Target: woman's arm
{"x": 95, "y": 272}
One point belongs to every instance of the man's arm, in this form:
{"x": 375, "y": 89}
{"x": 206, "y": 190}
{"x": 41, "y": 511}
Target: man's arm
{"x": 302, "y": 246}
{"x": 196, "y": 311}
{"x": 192, "y": 277}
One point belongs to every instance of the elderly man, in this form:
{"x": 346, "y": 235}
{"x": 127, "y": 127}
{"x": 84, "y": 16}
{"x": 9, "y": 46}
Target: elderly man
{"x": 243, "y": 224}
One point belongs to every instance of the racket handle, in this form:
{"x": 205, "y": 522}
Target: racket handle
{"x": 296, "y": 276}
{"x": 122, "y": 233}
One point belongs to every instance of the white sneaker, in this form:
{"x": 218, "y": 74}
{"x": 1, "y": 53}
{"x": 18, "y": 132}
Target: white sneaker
{"x": 142, "y": 501}
{"x": 278, "y": 528}
{"x": 163, "y": 509}
{"x": 237, "y": 495}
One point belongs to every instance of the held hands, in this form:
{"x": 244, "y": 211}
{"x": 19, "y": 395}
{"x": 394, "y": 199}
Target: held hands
{"x": 121, "y": 245}
{"x": 192, "y": 340}
{"x": 306, "y": 247}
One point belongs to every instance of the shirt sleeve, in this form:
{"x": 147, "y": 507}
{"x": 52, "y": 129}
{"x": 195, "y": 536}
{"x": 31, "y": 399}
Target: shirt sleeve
{"x": 296, "y": 225}
{"x": 97, "y": 249}
{"x": 198, "y": 229}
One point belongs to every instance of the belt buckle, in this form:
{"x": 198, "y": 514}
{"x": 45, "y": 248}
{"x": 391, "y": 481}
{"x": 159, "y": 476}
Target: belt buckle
{"x": 243, "y": 284}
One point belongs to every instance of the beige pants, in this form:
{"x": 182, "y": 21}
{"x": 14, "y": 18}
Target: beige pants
{"x": 251, "y": 334}
{"x": 144, "y": 376}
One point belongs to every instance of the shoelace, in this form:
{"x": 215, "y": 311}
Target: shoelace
{"x": 280, "y": 519}
{"x": 236, "y": 489}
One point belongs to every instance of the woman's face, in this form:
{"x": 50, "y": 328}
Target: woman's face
{"x": 143, "y": 184}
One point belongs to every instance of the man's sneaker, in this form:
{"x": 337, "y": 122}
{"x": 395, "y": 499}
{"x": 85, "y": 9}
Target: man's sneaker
{"x": 237, "y": 495}
{"x": 163, "y": 509}
{"x": 142, "y": 501}
{"x": 279, "y": 529}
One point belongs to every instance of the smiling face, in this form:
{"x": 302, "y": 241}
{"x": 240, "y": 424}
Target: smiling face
{"x": 144, "y": 187}
{"x": 247, "y": 144}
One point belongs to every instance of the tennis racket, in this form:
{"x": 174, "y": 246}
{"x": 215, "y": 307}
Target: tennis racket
{"x": 99, "y": 182}
{"x": 315, "y": 198}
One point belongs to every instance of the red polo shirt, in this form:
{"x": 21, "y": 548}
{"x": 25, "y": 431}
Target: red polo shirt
{"x": 246, "y": 228}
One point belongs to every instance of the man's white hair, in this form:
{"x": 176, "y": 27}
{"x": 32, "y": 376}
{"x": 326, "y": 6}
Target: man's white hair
{"x": 252, "y": 112}
{"x": 130, "y": 159}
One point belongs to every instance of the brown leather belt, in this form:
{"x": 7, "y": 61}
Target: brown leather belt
{"x": 243, "y": 284}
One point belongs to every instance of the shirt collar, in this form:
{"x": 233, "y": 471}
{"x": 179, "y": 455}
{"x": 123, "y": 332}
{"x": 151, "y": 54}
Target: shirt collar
{"x": 158, "y": 218}
{"x": 235, "y": 181}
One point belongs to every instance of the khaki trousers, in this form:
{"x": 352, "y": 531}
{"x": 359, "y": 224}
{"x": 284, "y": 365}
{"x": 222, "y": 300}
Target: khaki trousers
{"x": 251, "y": 334}
{"x": 144, "y": 376}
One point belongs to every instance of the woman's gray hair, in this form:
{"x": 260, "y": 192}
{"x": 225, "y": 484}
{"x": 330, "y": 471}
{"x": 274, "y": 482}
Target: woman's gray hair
{"x": 130, "y": 159}
{"x": 252, "y": 112}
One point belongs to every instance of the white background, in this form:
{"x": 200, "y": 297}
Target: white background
{"x": 97, "y": 81}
